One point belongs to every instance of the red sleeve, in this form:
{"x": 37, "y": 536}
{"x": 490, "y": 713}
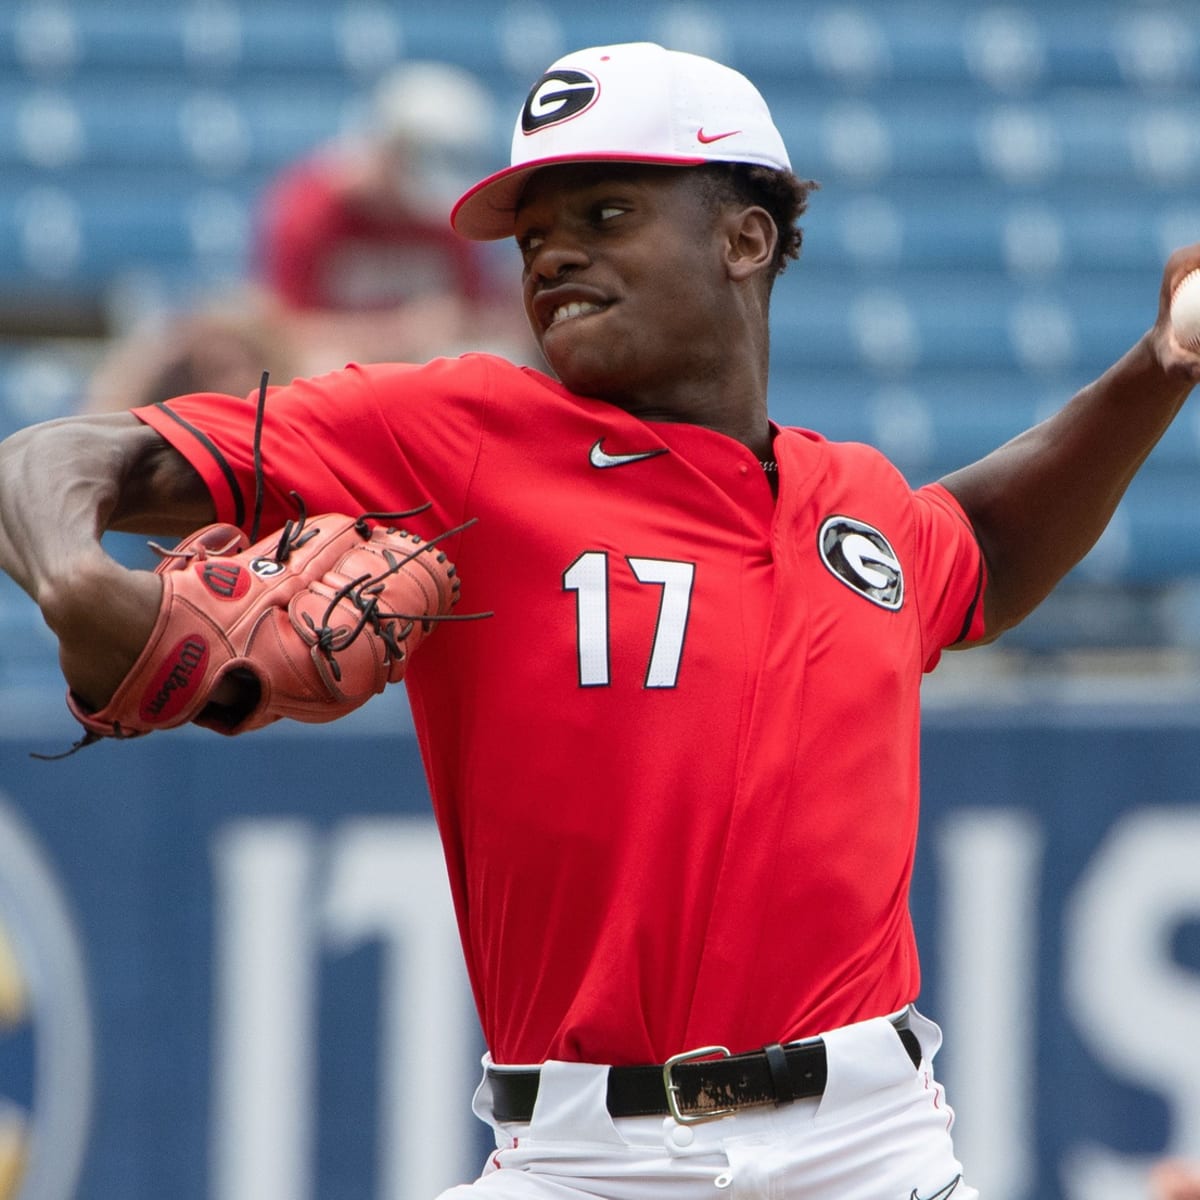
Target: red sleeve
{"x": 366, "y": 439}
{"x": 951, "y": 577}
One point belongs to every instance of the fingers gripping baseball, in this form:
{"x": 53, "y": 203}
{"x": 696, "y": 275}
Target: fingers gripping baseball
{"x": 312, "y": 622}
{"x": 1181, "y": 302}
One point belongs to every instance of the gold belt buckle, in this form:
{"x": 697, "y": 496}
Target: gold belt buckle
{"x": 673, "y": 1088}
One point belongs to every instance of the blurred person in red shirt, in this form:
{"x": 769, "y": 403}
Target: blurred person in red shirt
{"x": 354, "y": 245}
{"x": 354, "y": 261}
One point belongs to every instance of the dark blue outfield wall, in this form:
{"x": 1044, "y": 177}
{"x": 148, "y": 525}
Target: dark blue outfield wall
{"x": 228, "y": 970}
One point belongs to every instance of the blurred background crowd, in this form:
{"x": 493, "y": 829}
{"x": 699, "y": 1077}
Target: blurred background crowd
{"x": 195, "y": 191}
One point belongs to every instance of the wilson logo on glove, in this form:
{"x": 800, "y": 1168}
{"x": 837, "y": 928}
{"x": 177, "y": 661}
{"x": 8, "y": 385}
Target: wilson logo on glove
{"x": 224, "y": 579}
{"x": 168, "y": 692}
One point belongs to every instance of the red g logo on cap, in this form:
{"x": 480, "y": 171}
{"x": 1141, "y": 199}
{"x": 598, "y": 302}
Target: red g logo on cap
{"x": 558, "y": 96}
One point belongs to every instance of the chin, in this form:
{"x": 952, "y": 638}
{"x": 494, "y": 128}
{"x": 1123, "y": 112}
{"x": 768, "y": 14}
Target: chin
{"x": 587, "y": 374}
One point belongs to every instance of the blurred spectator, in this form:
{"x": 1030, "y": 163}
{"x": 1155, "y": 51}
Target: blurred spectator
{"x": 1175, "y": 1180}
{"x": 218, "y": 349}
{"x": 354, "y": 241}
{"x": 355, "y": 261}
{"x": 362, "y": 223}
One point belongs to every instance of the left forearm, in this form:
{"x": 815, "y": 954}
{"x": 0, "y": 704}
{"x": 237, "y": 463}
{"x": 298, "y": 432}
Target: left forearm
{"x": 1040, "y": 502}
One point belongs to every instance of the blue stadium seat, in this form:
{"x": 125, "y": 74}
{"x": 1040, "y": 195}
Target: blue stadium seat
{"x": 965, "y": 133}
{"x": 1014, "y": 46}
{"x": 1000, "y": 185}
{"x": 899, "y": 323}
{"x": 40, "y": 381}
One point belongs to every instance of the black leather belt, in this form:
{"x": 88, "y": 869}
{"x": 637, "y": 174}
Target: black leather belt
{"x": 695, "y": 1086}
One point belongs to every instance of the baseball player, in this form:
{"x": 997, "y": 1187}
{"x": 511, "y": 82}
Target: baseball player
{"x": 676, "y": 772}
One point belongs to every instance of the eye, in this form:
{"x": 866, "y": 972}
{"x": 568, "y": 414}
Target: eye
{"x": 606, "y": 212}
{"x": 528, "y": 244}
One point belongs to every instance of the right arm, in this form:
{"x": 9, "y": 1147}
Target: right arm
{"x": 62, "y": 484}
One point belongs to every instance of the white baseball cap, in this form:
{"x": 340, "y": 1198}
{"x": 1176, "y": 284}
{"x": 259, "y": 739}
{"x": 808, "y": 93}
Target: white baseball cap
{"x": 636, "y": 102}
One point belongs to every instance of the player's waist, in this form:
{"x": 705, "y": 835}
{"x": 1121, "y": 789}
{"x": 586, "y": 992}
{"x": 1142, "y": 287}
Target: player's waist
{"x": 698, "y": 1085}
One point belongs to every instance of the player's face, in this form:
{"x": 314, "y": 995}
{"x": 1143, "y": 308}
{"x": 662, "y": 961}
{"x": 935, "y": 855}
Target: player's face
{"x": 624, "y": 283}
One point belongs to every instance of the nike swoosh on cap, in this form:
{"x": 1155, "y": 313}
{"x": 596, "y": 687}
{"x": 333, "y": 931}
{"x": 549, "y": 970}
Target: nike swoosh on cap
{"x": 598, "y": 458}
{"x": 706, "y": 138}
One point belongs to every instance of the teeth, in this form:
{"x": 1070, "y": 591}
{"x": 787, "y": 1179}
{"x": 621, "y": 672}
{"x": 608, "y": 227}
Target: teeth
{"x": 576, "y": 308}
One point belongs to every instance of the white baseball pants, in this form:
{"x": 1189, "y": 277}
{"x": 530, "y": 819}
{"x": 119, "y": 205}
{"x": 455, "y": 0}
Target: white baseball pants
{"x": 881, "y": 1131}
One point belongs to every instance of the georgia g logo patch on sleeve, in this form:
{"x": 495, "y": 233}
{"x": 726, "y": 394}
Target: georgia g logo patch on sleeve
{"x": 863, "y": 559}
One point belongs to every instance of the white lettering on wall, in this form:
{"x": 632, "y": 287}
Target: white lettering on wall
{"x": 1137, "y": 1010}
{"x": 989, "y": 862}
{"x": 286, "y": 894}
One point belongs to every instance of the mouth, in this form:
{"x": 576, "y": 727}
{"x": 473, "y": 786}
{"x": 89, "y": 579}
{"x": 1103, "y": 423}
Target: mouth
{"x": 571, "y": 310}
{"x": 558, "y": 305}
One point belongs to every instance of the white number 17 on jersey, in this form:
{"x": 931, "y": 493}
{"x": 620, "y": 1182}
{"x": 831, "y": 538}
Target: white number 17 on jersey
{"x": 587, "y": 577}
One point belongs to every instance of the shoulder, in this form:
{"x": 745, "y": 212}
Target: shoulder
{"x": 857, "y": 483}
{"x": 844, "y": 463}
{"x": 860, "y": 456}
{"x": 474, "y": 375}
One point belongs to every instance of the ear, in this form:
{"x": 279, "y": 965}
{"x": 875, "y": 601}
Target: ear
{"x": 750, "y": 239}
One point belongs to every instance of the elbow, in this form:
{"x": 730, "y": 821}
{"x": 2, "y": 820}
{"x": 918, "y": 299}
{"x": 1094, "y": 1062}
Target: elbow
{"x": 1006, "y": 605}
{"x": 1011, "y": 591}
{"x": 70, "y": 594}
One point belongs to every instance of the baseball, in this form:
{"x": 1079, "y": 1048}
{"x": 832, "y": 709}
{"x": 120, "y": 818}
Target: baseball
{"x": 1185, "y": 311}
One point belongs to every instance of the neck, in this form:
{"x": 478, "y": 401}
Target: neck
{"x": 734, "y": 405}
{"x": 755, "y": 434}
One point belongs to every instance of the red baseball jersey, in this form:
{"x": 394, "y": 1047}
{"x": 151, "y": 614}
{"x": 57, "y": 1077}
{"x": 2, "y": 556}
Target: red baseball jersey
{"x": 676, "y": 773}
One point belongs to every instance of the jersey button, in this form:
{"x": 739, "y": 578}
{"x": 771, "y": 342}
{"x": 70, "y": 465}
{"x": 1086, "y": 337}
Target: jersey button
{"x": 743, "y": 469}
{"x": 679, "y": 1136}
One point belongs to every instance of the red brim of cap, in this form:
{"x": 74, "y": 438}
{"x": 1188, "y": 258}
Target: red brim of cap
{"x": 487, "y": 211}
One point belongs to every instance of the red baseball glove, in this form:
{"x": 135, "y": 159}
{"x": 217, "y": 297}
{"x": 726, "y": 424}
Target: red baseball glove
{"x": 312, "y": 621}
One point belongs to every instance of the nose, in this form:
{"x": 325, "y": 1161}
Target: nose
{"x": 555, "y": 254}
